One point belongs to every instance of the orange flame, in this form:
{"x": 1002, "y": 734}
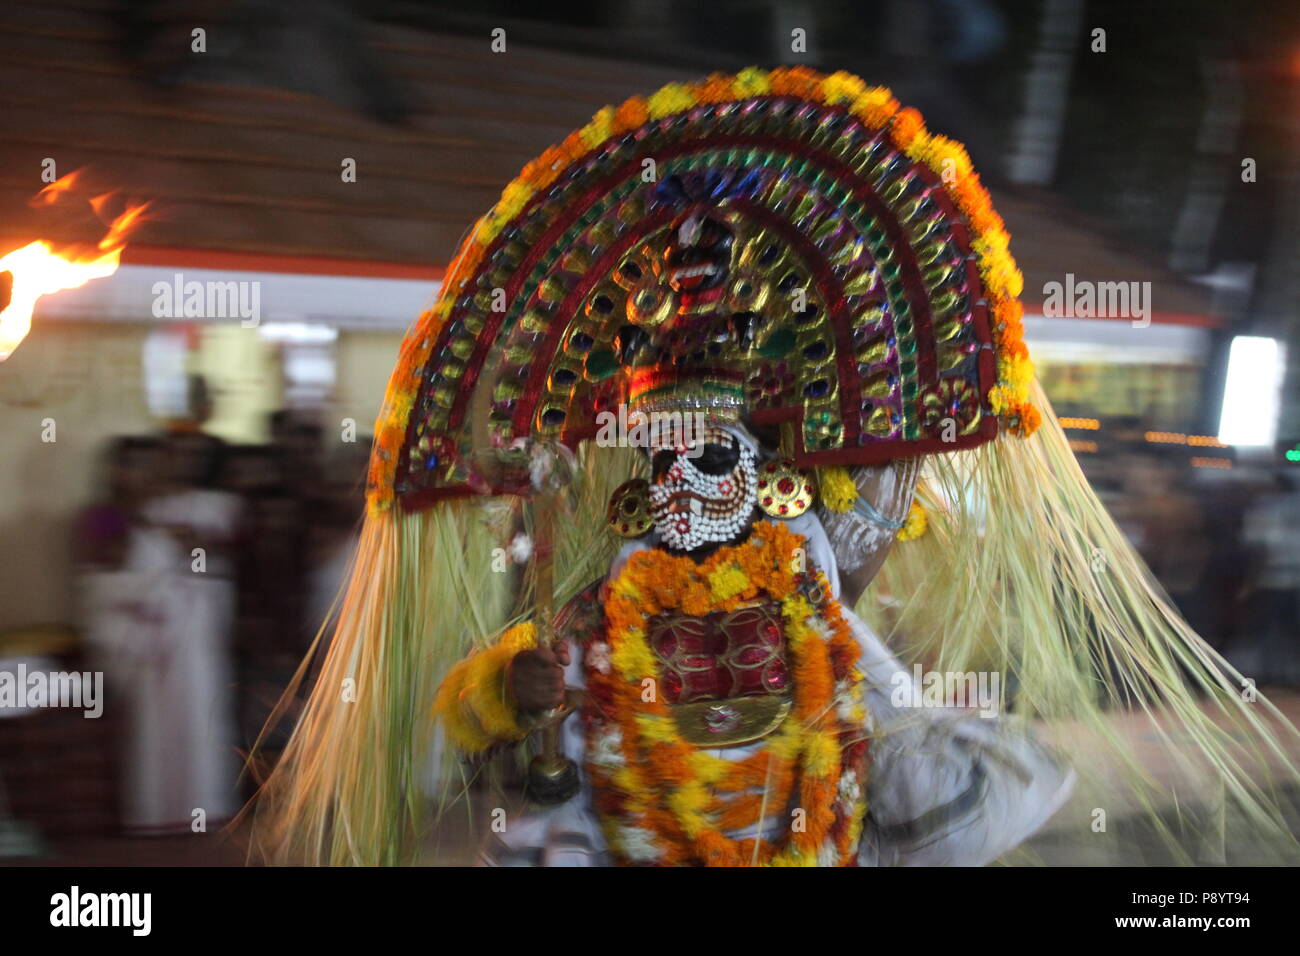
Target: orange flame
{"x": 37, "y": 270}
{"x": 56, "y": 190}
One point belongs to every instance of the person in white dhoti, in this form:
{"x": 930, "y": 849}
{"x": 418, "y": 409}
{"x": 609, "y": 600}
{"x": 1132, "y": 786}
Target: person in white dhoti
{"x": 161, "y": 625}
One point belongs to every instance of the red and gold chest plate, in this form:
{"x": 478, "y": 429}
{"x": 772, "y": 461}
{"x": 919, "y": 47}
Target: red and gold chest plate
{"x": 725, "y": 676}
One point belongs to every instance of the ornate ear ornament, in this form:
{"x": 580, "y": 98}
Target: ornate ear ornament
{"x": 629, "y": 509}
{"x": 784, "y": 491}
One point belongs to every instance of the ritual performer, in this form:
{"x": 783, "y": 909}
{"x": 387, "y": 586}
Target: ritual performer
{"x": 707, "y": 369}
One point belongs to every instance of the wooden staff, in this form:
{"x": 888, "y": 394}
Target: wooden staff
{"x": 552, "y": 777}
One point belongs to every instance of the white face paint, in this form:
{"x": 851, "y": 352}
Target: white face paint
{"x": 694, "y": 502}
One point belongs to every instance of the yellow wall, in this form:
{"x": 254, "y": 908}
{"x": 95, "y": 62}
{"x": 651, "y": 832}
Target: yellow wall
{"x": 365, "y": 360}
{"x": 86, "y": 377}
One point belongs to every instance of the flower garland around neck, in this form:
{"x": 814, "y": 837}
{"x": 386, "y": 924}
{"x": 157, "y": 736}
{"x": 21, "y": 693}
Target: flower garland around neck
{"x": 666, "y": 802}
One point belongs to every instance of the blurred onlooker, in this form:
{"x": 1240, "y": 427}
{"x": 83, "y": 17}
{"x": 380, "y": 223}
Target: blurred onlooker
{"x": 1271, "y": 618}
{"x": 163, "y": 622}
{"x": 131, "y": 465}
{"x": 207, "y": 570}
{"x": 1161, "y": 517}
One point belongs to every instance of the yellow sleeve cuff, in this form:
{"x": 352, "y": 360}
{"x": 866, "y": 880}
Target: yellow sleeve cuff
{"x": 474, "y": 700}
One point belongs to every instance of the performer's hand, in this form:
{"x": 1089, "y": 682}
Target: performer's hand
{"x": 537, "y": 677}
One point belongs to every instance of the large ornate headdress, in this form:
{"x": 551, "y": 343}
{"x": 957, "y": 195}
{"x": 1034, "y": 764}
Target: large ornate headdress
{"x": 793, "y": 244}
{"x": 791, "y": 248}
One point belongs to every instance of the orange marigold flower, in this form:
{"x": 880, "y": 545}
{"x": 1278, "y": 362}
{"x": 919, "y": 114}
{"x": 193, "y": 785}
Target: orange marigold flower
{"x": 905, "y": 127}
{"x": 1008, "y": 312}
{"x": 717, "y": 88}
{"x": 574, "y": 147}
{"x": 1026, "y": 420}
{"x": 797, "y": 81}
{"x": 630, "y": 115}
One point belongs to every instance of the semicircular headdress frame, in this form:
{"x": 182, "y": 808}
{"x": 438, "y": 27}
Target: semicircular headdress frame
{"x": 788, "y": 245}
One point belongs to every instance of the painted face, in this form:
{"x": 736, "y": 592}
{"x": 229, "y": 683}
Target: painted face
{"x": 704, "y": 498}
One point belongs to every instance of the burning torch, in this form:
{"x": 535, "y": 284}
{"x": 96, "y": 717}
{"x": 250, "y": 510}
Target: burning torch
{"x": 39, "y": 269}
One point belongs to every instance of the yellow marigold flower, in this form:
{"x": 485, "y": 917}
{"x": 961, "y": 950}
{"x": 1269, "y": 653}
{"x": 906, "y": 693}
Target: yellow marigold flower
{"x": 708, "y": 768}
{"x": 751, "y": 81}
{"x": 486, "y": 230}
{"x": 948, "y": 158}
{"x": 688, "y": 803}
{"x": 787, "y": 744}
{"x": 838, "y": 492}
{"x": 823, "y": 754}
{"x": 915, "y": 524}
{"x": 633, "y": 660}
{"x": 625, "y": 779}
{"x": 1002, "y": 277}
{"x": 1016, "y": 372}
{"x": 673, "y": 98}
{"x": 600, "y": 128}
{"x": 793, "y": 857}
{"x": 842, "y": 87}
{"x": 992, "y": 245}
{"x": 520, "y": 637}
{"x": 514, "y": 199}
{"x": 623, "y": 587}
{"x": 875, "y": 106}
{"x": 657, "y": 728}
{"x": 794, "y": 609}
{"x": 1000, "y": 399}
{"x": 727, "y": 582}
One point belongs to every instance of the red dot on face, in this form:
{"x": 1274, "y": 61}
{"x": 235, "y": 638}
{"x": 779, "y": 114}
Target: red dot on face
{"x": 799, "y": 503}
{"x": 784, "y": 509}
{"x": 767, "y": 500}
{"x": 785, "y": 486}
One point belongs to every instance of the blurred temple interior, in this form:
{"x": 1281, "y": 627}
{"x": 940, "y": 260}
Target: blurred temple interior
{"x": 327, "y": 158}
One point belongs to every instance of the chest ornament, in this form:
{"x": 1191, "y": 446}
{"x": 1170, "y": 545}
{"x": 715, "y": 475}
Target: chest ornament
{"x": 745, "y": 645}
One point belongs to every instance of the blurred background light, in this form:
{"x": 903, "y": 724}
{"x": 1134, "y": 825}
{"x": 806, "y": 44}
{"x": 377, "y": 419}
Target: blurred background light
{"x": 1251, "y": 394}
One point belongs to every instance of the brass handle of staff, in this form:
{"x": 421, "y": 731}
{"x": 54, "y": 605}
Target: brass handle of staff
{"x": 552, "y": 777}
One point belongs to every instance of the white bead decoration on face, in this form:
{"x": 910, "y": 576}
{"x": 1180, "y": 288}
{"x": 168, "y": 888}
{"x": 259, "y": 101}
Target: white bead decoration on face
{"x": 691, "y": 504}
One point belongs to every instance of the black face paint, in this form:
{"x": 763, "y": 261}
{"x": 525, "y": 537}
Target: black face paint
{"x": 714, "y": 459}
